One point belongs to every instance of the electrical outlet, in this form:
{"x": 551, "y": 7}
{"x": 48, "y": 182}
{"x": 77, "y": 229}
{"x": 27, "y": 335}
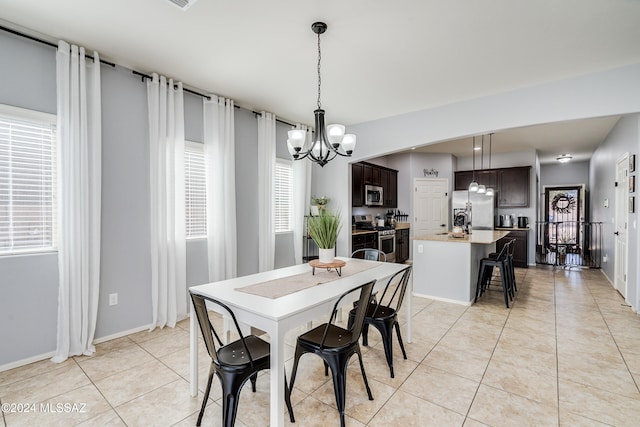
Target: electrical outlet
{"x": 605, "y": 258}
{"x": 113, "y": 299}
{"x": 420, "y": 249}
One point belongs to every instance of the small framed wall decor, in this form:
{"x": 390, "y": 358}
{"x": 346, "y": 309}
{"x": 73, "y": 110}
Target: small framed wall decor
{"x": 632, "y": 163}
{"x": 632, "y": 184}
{"x": 632, "y": 204}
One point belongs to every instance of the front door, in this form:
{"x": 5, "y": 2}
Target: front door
{"x": 430, "y": 206}
{"x": 621, "y": 218}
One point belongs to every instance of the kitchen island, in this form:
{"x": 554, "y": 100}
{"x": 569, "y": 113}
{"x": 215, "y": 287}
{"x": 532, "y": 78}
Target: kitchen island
{"x": 446, "y": 268}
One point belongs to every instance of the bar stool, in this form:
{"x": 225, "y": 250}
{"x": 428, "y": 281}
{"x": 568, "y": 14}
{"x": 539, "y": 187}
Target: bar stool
{"x": 485, "y": 272}
{"x": 512, "y": 269}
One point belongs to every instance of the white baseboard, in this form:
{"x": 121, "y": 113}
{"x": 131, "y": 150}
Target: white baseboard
{"x": 606, "y": 277}
{"x": 49, "y": 355}
{"x": 27, "y": 361}
{"x": 121, "y": 334}
{"x": 452, "y": 301}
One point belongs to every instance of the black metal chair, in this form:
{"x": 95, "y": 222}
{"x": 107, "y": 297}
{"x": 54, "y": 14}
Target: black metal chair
{"x": 335, "y": 345}
{"x": 510, "y": 264}
{"x": 383, "y": 315}
{"x": 233, "y": 363}
{"x": 485, "y": 273}
{"x": 370, "y": 254}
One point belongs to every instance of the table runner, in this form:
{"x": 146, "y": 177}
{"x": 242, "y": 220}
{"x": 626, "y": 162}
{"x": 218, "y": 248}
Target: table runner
{"x": 277, "y": 288}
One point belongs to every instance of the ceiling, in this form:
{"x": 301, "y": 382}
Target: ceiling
{"x": 379, "y": 58}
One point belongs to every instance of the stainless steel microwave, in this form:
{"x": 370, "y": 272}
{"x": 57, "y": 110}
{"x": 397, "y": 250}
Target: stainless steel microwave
{"x": 373, "y": 195}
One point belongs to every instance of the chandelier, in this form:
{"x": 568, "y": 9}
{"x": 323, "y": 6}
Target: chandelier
{"x": 327, "y": 143}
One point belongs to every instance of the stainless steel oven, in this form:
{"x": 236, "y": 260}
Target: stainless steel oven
{"x": 387, "y": 243}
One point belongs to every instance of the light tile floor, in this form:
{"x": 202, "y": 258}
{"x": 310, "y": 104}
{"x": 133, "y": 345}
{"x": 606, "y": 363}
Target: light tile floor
{"x": 567, "y": 353}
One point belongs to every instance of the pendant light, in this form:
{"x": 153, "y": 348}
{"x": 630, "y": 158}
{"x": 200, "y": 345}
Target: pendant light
{"x": 473, "y": 187}
{"x": 481, "y": 188}
{"x": 490, "y": 191}
{"x": 328, "y": 143}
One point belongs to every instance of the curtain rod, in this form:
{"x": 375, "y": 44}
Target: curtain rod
{"x": 146, "y": 76}
{"x": 35, "y": 39}
{"x": 111, "y": 64}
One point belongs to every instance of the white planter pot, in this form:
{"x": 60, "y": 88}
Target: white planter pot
{"x": 326, "y": 255}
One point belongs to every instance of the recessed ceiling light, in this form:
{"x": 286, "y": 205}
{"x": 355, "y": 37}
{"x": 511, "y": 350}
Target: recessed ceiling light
{"x": 477, "y": 148}
{"x": 564, "y": 158}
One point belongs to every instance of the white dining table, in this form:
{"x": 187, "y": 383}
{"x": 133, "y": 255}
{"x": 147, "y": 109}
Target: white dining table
{"x": 277, "y": 316}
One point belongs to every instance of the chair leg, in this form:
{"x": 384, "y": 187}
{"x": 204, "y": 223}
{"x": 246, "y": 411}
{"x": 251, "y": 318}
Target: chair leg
{"x": 231, "y": 386}
{"x": 365, "y": 335}
{"x": 253, "y": 379}
{"x": 340, "y": 387}
{"x": 206, "y": 395}
{"x": 404, "y": 353}
{"x": 503, "y": 279}
{"x": 364, "y": 375}
{"x": 287, "y": 399}
{"x": 386, "y": 330}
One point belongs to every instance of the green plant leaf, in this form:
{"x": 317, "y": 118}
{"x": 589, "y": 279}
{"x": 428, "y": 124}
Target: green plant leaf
{"x": 324, "y": 229}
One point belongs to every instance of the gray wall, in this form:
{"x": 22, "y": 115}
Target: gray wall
{"x": 572, "y": 173}
{"x": 29, "y": 283}
{"x": 624, "y": 138}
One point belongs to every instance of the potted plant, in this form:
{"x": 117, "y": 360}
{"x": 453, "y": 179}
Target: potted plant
{"x": 324, "y": 229}
{"x": 318, "y": 204}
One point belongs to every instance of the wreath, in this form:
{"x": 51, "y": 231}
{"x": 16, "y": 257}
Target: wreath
{"x": 563, "y": 203}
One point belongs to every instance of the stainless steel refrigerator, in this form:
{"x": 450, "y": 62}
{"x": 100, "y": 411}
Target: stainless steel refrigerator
{"x": 479, "y": 209}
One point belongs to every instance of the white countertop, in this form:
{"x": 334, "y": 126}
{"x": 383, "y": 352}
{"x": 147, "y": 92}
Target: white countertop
{"x": 477, "y": 236}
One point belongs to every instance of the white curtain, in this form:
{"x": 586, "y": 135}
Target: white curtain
{"x": 220, "y": 163}
{"x": 167, "y": 216}
{"x": 79, "y": 191}
{"x": 266, "y": 207}
{"x": 301, "y": 198}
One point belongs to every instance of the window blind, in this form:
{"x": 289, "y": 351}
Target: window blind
{"x": 195, "y": 191}
{"x": 283, "y": 194}
{"x": 27, "y": 185}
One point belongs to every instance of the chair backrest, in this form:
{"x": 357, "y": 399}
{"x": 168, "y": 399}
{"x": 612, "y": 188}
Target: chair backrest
{"x": 512, "y": 243}
{"x": 370, "y": 254}
{"x": 394, "y": 292}
{"x": 211, "y": 338}
{"x": 363, "y": 301}
{"x": 504, "y": 252}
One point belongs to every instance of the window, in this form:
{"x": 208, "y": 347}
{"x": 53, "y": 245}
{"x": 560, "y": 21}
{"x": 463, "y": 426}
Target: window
{"x": 283, "y": 195}
{"x": 195, "y": 190}
{"x": 27, "y": 181}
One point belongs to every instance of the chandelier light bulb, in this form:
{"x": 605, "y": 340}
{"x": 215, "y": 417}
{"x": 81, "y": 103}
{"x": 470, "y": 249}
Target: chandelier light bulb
{"x": 349, "y": 143}
{"x": 297, "y": 137}
{"x": 473, "y": 187}
{"x": 482, "y": 189}
{"x": 490, "y": 191}
{"x": 335, "y": 133}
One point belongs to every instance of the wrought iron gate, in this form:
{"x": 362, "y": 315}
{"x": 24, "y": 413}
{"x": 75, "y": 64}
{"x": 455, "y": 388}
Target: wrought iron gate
{"x": 569, "y": 243}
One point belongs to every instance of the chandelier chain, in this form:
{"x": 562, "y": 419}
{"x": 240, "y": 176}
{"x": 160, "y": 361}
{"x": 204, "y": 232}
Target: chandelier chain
{"x": 319, "y": 78}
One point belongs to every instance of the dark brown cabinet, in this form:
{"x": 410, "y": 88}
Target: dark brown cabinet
{"x": 462, "y": 180}
{"x": 520, "y": 247}
{"x": 364, "y": 241}
{"x": 369, "y": 174}
{"x": 372, "y": 174}
{"x": 402, "y": 245}
{"x": 514, "y": 188}
{"x": 510, "y": 184}
{"x": 357, "y": 184}
{"x": 391, "y": 192}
